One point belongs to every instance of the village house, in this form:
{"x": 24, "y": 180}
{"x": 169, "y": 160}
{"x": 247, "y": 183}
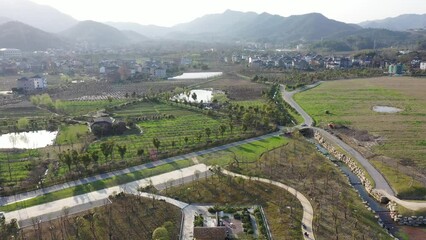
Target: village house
{"x": 32, "y": 83}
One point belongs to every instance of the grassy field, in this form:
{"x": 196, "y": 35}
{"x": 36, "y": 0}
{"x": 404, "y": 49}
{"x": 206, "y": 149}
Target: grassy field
{"x": 84, "y": 107}
{"x": 402, "y": 134}
{"x": 130, "y": 216}
{"x": 70, "y": 134}
{"x": 15, "y": 166}
{"x": 224, "y": 190}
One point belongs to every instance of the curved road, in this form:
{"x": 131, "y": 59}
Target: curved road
{"x": 308, "y": 212}
{"x": 381, "y": 185}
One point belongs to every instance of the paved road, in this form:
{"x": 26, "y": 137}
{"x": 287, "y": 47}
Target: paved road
{"x": 308, "y": 212}
{"x": 32, "y": 194}
{"x": 83, "y": 202}
{"x": 381, "y": 185}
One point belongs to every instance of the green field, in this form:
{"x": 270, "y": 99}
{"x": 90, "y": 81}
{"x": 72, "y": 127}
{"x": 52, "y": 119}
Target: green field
{"x": 172, "y": 132}
{"x": 401, "y": 134}
{"x": 70, "y": 134}
{"x": 15, "y": 166}
{"x": 84, "y": 107}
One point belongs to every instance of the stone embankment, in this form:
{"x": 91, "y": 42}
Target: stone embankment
{"x": 353, "y": 166}
{"x": 369, "y": 187}
{"x": 414, "y": 221}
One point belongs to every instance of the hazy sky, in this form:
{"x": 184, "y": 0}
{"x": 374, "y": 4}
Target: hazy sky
{"x": 170, "y": 12}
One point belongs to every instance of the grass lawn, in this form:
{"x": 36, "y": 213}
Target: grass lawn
{"x": 245, "y": 153}
{"x": 350, "y": 102}
{"x": 97, "y": 185}
{"x": 70, "y": 134}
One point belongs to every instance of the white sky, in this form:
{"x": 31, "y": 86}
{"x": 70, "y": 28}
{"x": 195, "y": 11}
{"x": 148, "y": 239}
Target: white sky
{"x": 171, "y": 12}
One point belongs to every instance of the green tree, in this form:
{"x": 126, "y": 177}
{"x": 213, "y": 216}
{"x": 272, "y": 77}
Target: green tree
{"x": 122, "y": 151}
{"x": 66, "y": 158}
{"x": 23, "y": 123}
{"x": 85, "y": 158}
{"x": 106, "y": 149}
{"x": 140, "y": 152}
{"x": 75, "y": 157}
{"x": 208, "y": 132}
{"x": 160, "y": 233}
{"x": 194, "y": 96}
{"x": 156, "y": 143}
{"x": 95, "y": 156}
{"x": 222, "y": 129}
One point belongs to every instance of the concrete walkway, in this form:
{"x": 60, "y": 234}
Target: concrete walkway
{"x": 381, "y": 184}
{"x": 161, "y": 181}
{"x": 308, "y": 212}
{"x": 28, "y": 195}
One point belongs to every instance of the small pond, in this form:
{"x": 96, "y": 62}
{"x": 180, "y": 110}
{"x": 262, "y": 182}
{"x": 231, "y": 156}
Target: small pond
{"x": 201, "y": 95}
{"x": 5, "y": 92}
{"x": 386, "y": 109}
{"x": 28, "y": 140}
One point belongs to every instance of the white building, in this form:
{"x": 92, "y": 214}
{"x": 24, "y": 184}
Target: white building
{"x": 32, "y": 83}
{"x": 39, "y": 82}
{"x": 423, "y": 66}
{"x": 10, "y": 53}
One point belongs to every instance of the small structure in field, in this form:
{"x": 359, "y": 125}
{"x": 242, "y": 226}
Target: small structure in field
{"x": 104, "y": 126}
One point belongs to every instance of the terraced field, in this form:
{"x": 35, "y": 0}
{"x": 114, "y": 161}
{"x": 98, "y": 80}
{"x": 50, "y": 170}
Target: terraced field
{"x": 185, "y": 130}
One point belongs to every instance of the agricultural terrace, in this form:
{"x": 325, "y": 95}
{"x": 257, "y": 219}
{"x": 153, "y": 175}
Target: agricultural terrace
{"x": 338, "y": 211}
{"x": 393, "y": 142}
{"x": 177, "y": 129}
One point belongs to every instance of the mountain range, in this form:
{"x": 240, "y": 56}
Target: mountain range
{"x": 400, "y": 23}
{"x": 57, "y": 29}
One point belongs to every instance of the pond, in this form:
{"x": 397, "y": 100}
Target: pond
{"x": 201, "y": 95}
{"x": 386, "y": 109}
{"x": 197, "y": 75}
{"x": 28, "y": 140}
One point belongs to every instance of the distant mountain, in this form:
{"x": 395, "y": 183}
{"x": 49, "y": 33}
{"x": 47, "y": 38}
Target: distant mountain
{"x": 40, "y": 16}
{"x": 216, "y": 23}
{"x": 150, "y": 31}
{"x": 251, "y": 26}
{"x": 95, "y": 34}
{"x": 4, "y": 20}
{"x": 400, "y": 23}
{"x": 134, "y": 37}
{"x": 19, "y": 35}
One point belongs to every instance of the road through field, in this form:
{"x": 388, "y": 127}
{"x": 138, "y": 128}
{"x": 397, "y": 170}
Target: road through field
{"x": 381, "y": 185}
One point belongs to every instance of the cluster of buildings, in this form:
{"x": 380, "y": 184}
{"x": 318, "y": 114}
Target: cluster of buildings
{"x": 129, "y": 69}
{"x": 312, "y": 61}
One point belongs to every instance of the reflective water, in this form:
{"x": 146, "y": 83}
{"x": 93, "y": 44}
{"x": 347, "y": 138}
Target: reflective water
{"x": 28, "y": 140}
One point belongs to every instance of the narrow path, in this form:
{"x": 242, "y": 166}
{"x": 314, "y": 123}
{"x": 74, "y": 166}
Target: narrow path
{"x": 308, "y": 212}
{"x": 93, "y": 199}
{"x": 381, "y": 185}
{"x": 28, "y": 195}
